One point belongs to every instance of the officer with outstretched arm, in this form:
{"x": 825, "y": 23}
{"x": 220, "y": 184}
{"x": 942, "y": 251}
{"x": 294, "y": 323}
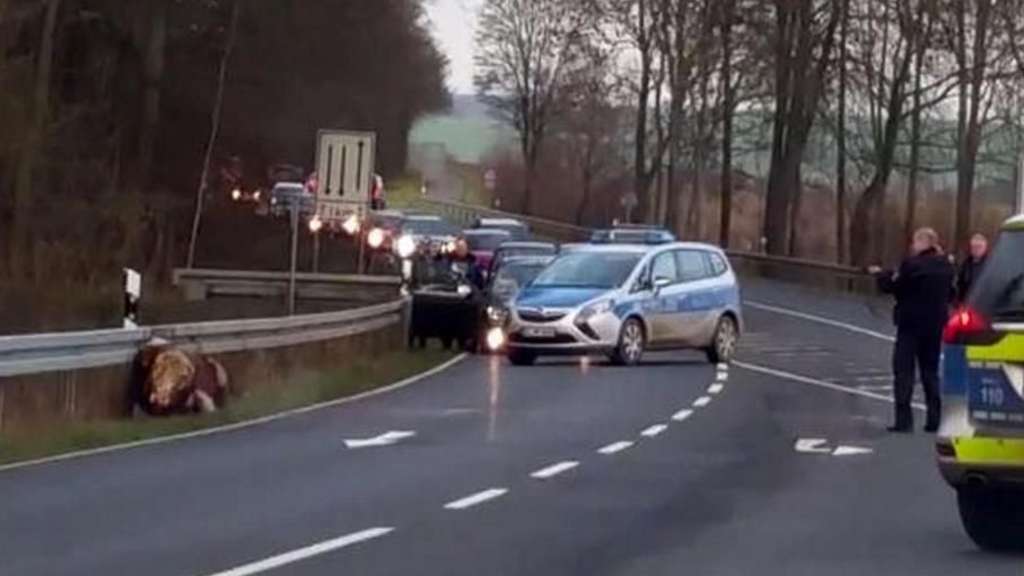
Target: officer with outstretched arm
{"x": 923, "y": 289}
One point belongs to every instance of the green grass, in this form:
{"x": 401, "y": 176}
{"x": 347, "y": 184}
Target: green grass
{"x": 361, "y": 376}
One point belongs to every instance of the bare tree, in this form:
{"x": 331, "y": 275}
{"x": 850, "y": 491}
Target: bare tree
{"x": 804, "y": 41}
{"x": 524, "y": 50}
{"x": 215, "y": 117}
{"x": 727, "y": 16}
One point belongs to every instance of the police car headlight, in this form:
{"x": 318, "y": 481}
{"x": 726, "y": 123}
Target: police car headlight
{"x": 497, "y": 315}
{"x": 406, "y": 247}
{"x": 464, "y": 290}
{"x": 595, "y": 309}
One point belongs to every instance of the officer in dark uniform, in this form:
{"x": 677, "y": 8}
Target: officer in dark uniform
{"x": 923, "y": 288}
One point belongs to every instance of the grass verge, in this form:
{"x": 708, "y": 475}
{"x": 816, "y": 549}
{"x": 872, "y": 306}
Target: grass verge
{"x": 361, "y": 376}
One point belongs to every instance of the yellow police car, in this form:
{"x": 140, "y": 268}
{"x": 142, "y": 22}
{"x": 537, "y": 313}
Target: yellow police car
{"x": 980, "y": 443}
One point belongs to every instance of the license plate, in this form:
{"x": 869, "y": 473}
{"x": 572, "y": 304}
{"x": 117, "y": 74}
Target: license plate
{"x": 536, "y": 332}
{"x": 994, "y": 397}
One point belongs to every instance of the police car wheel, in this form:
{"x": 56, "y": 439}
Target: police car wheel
{"x": 632, "y": 342}
{"x": 723, "y": 346}
{"x": 993, "y": 518}
{"x": 521, "y": 358}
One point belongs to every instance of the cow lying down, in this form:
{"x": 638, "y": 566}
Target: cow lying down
{"x": 170, "y": 381}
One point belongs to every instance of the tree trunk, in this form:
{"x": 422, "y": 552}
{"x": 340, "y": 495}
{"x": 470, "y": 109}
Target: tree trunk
{"x": 641, "y": 183}
{"x": 728, "y": 107}
{"x": 153, "y": 74}
{"x": 971, "y": 135}
{"x": 842, "y": 252}
{"x": 229, "y": 45}
{"x": 21, "y": 237}
{"x": 910, "y": 217}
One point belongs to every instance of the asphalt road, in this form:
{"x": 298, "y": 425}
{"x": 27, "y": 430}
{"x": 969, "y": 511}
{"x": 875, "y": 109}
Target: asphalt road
{"x": 564, "y": 468}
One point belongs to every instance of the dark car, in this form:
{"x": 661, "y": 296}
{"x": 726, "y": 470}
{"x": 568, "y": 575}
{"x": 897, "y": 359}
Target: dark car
{"x": 284, "y": 194}
{"x": 518, "y": 229}
{"x": 517, "y": 249}
{"x": 484, "y": 242}
{"x": 384, "y": 228}
{"x": 428, "y": 232}
{"x": 446, "y": 305}
{"x": 503, "y": 286}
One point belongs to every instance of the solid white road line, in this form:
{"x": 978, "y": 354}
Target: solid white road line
{"x": 304, "y": 553}
{"x": 475, "y": 499}
{"x": 554, "y": 470}
{"x": 819, "y": 383}
{"x": 702, "y": 401}
{"x": 615, "y": 447}
{"x": 239, "y": 425}
{"x": 819, "y": 320}
{"x": 653, "y": 431}
{"x": 682, "y": 415}
{"x": 716, "y": 388}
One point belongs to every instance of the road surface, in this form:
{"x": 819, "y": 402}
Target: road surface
{"x": 675, "y": 467}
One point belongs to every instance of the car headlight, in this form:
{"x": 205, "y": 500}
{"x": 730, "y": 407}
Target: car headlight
{"x": 351, "y": 225}
{"x": 315, "y": 224}
{"x": 236, "y": 194}
{"x": 375, "y": 238}
{"x": 595, "y": 309}
{"x": 497, "y": 315}
{"x": 495, "y": 339}
{"x": 406, "y": 247}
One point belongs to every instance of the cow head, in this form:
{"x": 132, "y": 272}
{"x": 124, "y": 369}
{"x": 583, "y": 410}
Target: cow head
{"x": 169, "y": 377}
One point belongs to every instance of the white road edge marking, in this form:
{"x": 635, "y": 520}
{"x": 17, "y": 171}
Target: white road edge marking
{"x": 554, "y": 470}
{"x": 615, "y": 447}
{"x": 238, "y": 425}
{"x": 820, "y": 383}
{"x": 653, "y": 431}
{"x": 702, "y": 401}
{"x": 819, "y": 320}
{"x": 475, "y": 499}
{"x": 682, "y": 415}
{"x": 305, "y": 553}
{"x": 716, "y": 388}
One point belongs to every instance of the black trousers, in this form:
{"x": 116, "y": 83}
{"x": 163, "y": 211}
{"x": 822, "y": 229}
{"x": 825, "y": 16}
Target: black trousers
{"x": 917, "y": 348}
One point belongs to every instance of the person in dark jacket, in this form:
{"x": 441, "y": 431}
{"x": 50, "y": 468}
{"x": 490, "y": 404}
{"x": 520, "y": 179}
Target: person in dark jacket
{"x": 971, "y": 268}
{"x": 923, "y": 289}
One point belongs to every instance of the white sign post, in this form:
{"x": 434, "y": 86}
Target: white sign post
{"x": 345, "y": 173}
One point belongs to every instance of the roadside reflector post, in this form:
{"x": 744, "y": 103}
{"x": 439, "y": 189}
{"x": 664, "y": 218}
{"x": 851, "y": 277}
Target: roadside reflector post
{"x": 294, "y": 254}
{"x": 132, "y": 296}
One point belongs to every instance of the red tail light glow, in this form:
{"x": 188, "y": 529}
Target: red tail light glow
{"x": 964, "y": 324}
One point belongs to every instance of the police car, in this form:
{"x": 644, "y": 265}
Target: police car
{"x": 980, "y": 443}
{"x": 622, "y": 300}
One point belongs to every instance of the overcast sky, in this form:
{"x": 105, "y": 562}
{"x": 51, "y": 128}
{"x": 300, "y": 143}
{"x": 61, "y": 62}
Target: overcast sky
{"x": 454, "y": 25}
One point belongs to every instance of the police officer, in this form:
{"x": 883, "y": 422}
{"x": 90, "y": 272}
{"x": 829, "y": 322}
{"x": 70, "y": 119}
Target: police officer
{"x": 923, "y": 288}
{"x": 463, "y": 262}
{"x": 971, "y": 268}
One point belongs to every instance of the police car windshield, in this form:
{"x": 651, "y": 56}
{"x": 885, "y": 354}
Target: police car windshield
{"x": 589, "y": 270}
{"x": 999, "y": 294}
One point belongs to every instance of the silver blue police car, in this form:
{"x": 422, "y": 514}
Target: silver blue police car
{"x": 623, "y": 300}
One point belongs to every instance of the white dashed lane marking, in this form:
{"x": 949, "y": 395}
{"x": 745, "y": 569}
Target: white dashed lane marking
{"x": 615, "y": 447}
{"x": 476, "y": 499}
{"x": 682, "y": 415}
{"x": 300, "y": 554}
{"x": 653, "y": 431}
{"x": 723, "y": 376}
{"x": 715, "y": 388}
{"x": 554, "y": 470}
{"x": 702, "y": 401}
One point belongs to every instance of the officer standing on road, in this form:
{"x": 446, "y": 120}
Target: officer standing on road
{"x": 923, "y": 287}
{"x": 464, "y": 263}
{"x": 971, "y": 268}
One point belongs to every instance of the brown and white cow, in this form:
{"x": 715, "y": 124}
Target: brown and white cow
{"x": 175, "y": 382}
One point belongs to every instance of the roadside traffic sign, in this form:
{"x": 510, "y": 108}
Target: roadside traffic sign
{"x": 345, "y": 173}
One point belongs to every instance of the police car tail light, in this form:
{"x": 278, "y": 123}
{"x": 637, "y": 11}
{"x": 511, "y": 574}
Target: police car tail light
{"x": 965, "y": 326}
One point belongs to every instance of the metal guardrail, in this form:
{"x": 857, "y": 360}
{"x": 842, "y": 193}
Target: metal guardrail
{"x": 40, "y": 353}
{"x": 198, "y": 284}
